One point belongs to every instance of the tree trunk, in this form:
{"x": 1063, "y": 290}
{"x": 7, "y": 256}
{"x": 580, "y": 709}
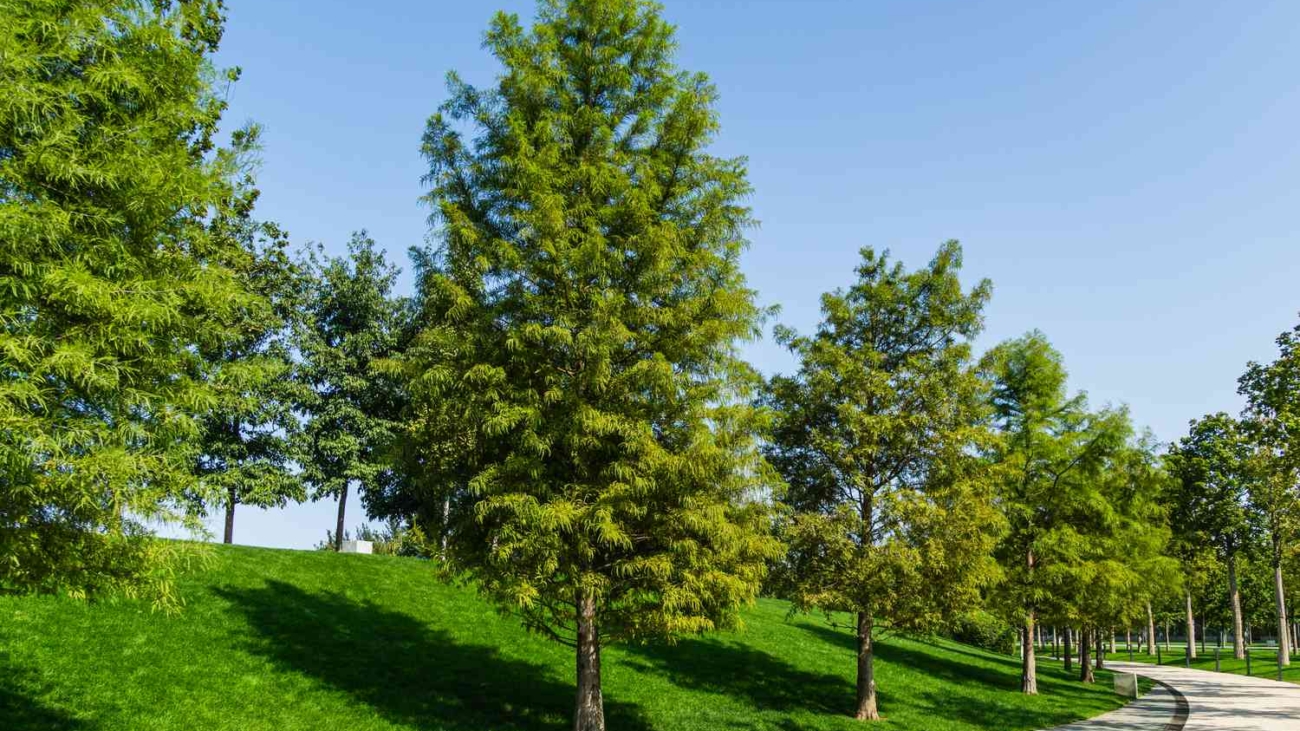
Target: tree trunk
{"x": 589, "y": 711}
{"x": 1151, "y": 631}
{"x": 1029, "y": 663}
{"x": 1283, "y": 636}
{"x": 446, "y": 518}
{"x": 231, "y": 499}
{"x": 1166, "y": 634}
{"x": 338, "y": 531}
{"x": 1085, "y": 663}
{"x": 1101, "y": 651}
{"x": 1128, "y": 639}
{"x": 1234, "y": 597}
{"x": 866, "y": 710}
{"x": 1069, "y": 663}
{"x": 1191, "y": 628}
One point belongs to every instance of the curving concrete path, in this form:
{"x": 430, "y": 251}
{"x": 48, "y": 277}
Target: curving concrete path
{"x": 1215, "y": 702}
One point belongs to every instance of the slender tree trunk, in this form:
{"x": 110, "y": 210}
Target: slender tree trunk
{"x": 1128, "y": 639}
{"x": 1166, "y": 634}
{"x": 1029, "y": 663}
{"x": 1069, "y": 662}
{"x": 1234, "y": 597}
{"x": 231, "y": 499}
{"x": 1085, "y": 663}
{"x": 866, "y": 710}
{"x": 1101, "y": 651}
{"x": 1055, "y": 642}
{"x": 1283, "y": 636}
{"x": 589, "y": 711}
{"x": 446, "y": 517}
{"x": 343, "y": 504}
{"x": 1151, "y": 631}
{"x": 1191, "y": 628}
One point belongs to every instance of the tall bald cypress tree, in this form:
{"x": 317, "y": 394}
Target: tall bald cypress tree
{"x": 115, "y": 277}
{"x": 583, "y": 315}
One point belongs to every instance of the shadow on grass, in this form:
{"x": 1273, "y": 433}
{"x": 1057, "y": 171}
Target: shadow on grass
{"x": 20, "y": 711}
{"x": 731, "y": 669}
{"x": 995, "y": 679}
{"x": 405, "y": 670}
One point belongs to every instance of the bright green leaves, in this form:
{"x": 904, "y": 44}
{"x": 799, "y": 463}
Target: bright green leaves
{"x": 115, "y": 278}
{"x": 579, "y": 327}
{"x": 876, "y": 435}
{"x": 1086, "y": 536}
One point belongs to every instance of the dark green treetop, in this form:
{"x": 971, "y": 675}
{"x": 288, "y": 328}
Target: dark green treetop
{"x": 351, "y": 329}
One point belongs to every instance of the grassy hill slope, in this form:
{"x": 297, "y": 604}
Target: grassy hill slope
{"x": 291, "y": 641}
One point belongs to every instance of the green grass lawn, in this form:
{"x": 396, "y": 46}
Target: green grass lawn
{"x": 292, "y": 640}
{"x": 1263, "y": 660}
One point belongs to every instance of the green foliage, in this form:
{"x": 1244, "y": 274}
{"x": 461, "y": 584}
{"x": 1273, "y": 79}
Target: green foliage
{"x": 578, "y": 393}
{"x": 1087, "y": 536}
{"x": 114, "y": 277}
{"x": 1210, "y": 466}
{"x": 351, "y": 330}
{"x": 982, "y": 629}
{"x": 876, "y": 436}
{"x": 370, "y": 643}
{"x": 1272, "y": 422}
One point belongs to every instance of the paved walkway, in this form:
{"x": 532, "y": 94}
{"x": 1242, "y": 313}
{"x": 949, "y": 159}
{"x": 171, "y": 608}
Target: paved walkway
{"x": 1215, "y": 702}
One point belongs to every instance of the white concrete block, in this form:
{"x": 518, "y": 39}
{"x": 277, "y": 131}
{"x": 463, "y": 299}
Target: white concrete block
{"x": 357, "y": 547}
{"x": 1126, "y": 684}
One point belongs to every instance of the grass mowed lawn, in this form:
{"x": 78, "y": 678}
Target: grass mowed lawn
{"x": 1263, "y": 660}
{"x": 295, "y": 640}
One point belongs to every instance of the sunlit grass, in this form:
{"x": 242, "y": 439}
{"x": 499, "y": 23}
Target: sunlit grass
{"x": 292, "y": 641}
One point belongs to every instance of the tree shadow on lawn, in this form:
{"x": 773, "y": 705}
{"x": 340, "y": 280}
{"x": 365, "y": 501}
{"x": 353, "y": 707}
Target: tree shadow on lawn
{"x": 716, "y": 665}
{"x": 20, "y": 711}
{"x": 407, "y": 671}
{"x": 1002, "y": 707}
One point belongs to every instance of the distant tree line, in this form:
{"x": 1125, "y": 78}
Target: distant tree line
{"x": 559, "y": 413}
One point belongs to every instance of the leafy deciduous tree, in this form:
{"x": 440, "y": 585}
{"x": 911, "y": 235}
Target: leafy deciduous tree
{"x": 351, "y": 329}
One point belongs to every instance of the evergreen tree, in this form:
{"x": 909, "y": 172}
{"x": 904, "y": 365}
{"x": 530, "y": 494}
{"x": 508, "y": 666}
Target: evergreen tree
{"x": 113, "y": 277}
{"x": 581, "y": 322}
{"x": 876, "y": 436}
{"x": 1210, "y": 464}
{"x": 350, "y": 331}
{"x": 1054, "y": 454}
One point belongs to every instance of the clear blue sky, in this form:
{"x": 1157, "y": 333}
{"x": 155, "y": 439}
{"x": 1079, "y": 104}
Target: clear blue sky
{"x": 1125, "y": 173}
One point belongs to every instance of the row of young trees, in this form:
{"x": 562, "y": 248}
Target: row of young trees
{"x": 562, "y": 404}
{"x": 1236, "y": 493}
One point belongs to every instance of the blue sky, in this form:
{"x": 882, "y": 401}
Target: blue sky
{"x": 1125, "y": 173}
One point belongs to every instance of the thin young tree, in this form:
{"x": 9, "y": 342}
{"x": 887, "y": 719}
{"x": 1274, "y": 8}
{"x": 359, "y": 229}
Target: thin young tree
{"x": 1053, "y": 450}
{"x": 877, "y": 438}
{"x": 113, "y": 279}
{"x": 247, "y": 442}
{"x": 583, "y": 315}
{"x": 351, "y": 330}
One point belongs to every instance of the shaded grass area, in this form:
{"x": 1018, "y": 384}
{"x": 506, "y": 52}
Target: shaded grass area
{"x": 290, "y": 641}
